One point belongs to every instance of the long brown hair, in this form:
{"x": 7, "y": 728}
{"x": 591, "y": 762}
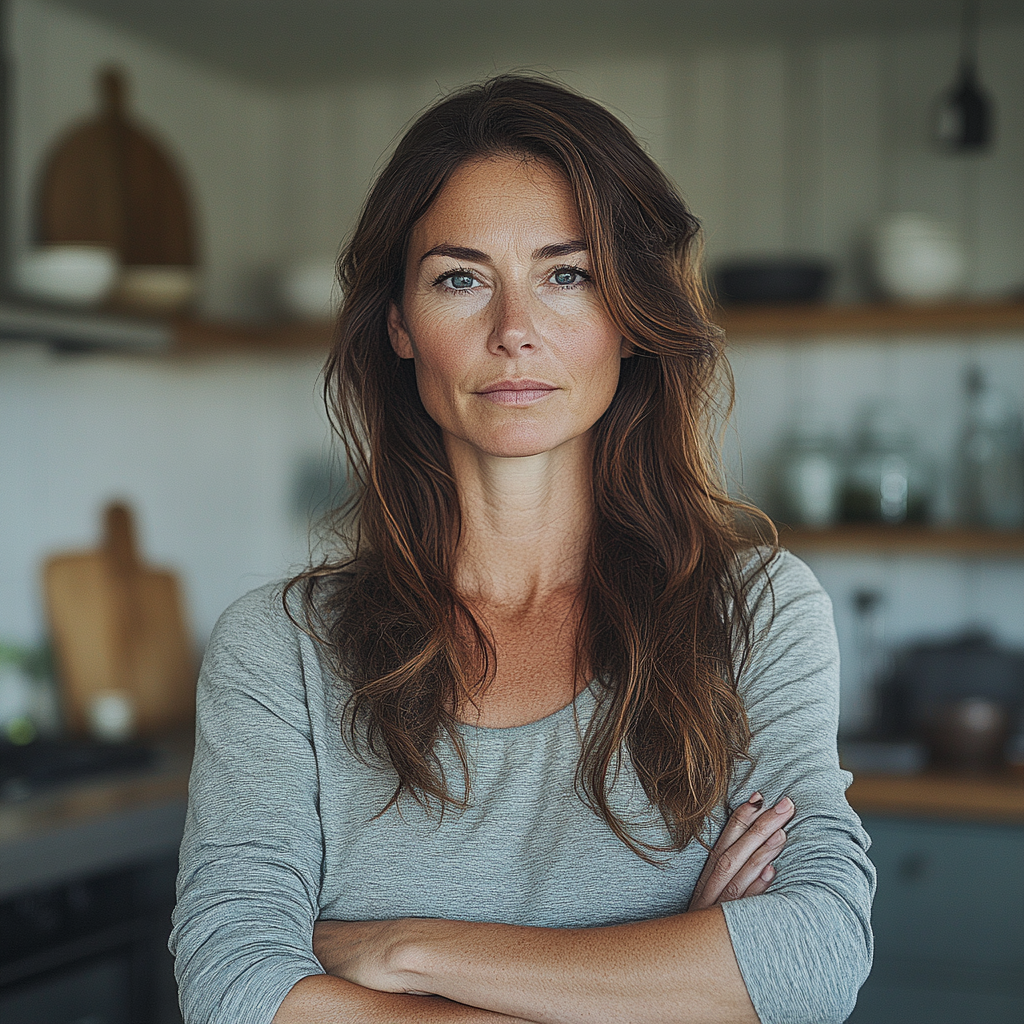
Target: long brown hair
{"x": 664, "y": 629}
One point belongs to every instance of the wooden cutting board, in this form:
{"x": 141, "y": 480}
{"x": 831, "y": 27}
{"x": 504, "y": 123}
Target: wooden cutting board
{"x": 109, "y": 182}
{"x": 118, "y": 624}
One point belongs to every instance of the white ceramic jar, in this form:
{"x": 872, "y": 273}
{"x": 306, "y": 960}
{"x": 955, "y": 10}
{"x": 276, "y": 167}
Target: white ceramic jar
{"x": 917, "y": 258}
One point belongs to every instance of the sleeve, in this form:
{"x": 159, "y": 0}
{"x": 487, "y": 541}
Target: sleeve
{"x": 251, "y": 858}
{"x": 804, "y": 948}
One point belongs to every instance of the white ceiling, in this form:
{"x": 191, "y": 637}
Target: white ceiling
{"x": 294, "y": 42}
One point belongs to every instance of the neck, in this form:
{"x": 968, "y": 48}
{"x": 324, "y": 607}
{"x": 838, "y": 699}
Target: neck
{"x": 525, "y": 523}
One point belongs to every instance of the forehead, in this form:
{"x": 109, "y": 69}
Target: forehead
{"x": 496, "y": 196}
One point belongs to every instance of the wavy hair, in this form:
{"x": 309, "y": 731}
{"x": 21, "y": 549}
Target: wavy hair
{"x": 664, "y": 628}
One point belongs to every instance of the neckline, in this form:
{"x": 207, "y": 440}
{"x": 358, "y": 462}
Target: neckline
{"x": 580, "y": 705}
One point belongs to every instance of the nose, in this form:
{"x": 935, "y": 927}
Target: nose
{"x": 513, "y": 331}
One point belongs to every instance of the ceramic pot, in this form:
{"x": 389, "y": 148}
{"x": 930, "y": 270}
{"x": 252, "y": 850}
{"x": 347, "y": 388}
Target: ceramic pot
{"x": 73, "y": 275}
{"x": 917, "y": 259}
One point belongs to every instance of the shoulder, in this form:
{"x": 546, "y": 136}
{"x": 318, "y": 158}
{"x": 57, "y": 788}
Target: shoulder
{"x": 786, "y": 574}
{"x": 793, "y": 641}
{"x": 260, "y": 616}
{"x": 778, "y": 585}
{"x": 258, "y": 646}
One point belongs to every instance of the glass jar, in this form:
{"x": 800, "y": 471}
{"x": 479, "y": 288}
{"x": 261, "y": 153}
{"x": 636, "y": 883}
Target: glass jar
{"x": 991, "y": 458}
{"x": 809, "y": 480}
{"x": 887, "y": 479}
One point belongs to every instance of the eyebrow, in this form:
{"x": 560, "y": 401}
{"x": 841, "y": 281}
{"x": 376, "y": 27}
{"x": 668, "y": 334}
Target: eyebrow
{"x": 547, "y": 252}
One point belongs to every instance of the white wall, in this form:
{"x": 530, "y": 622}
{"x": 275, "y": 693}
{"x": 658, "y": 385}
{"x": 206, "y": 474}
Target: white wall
{"x": 778, "y": 149}
{"x": 208, "y": 453}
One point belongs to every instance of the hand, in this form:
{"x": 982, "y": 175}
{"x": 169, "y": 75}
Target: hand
{"x": 739, "y": 864}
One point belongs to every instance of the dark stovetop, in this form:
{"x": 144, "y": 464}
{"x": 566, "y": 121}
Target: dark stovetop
{"x": 29, "y": 768}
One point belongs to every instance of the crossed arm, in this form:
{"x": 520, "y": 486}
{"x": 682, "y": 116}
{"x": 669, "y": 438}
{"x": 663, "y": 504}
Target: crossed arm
{"x": 673, "y": 969}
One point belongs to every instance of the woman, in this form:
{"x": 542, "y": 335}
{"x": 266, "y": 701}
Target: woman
{"x": 476, "y": 766}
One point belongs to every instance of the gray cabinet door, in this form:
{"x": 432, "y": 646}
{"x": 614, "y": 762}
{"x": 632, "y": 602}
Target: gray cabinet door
{"x": 949, "y": 924}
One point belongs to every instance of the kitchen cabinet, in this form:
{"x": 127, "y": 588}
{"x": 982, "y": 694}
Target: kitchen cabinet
{"x": 948, "y": 921}
{"x": 91, "y": 948}
{"x": 87, "y": 874}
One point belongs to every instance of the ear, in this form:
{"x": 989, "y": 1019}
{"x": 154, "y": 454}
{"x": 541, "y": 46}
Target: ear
{"x": 626, "y": 349}
{"x": 399, "y": 333}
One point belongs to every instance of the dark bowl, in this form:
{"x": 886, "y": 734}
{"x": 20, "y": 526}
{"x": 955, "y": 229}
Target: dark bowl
{"x": 968, "y": 735}
{"x": 772, "y": 281}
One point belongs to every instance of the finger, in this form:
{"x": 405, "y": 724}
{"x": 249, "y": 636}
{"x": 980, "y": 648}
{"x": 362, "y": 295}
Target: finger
{"x": 730, "y": 862}
{"x": 751, "y": 870}
{"x": 757, "y": 887}
{"x": 762, "y": 883}
{"x": 739, "y": 820}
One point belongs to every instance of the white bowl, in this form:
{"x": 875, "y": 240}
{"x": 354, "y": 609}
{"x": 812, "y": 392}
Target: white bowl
{"x": 918, "y": 259}
{"x": 156, "y": 289}
{"x": 310, "y": 290}
{"x": 77, "y": 275}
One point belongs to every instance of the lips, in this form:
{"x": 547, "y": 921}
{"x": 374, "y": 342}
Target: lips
{"x": 516, "y": 392}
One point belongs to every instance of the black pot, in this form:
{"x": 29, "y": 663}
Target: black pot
{"x": 930, "y": 681}
{"x": 772, "y": 280}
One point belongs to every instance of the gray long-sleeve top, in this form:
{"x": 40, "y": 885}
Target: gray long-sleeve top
{"x": 282, "y": 827}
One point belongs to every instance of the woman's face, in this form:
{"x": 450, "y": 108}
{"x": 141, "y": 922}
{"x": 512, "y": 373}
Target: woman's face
{"x": 514, "y": 352}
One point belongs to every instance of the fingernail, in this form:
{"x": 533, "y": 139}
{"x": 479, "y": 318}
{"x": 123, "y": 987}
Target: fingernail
{"x": 777, "y": 838}
{"x": 784, "y": 806}
{"x": 768, "y": 873}
{"x": 756, "y": 800}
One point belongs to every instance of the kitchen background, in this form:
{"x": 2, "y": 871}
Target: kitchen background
{"x": 783, "y": 145}
{"x": 792, "y": 128}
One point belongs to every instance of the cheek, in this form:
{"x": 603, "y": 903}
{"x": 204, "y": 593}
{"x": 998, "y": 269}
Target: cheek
{"x": 597, "y": 352}
{"x": 439, "y": 369}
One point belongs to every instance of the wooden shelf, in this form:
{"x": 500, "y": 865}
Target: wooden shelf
{"x": 765, "y": 323}
{"x": 816, "y": 321}
{"x": 998, "y": 798}
{"x": 921, "y": 540}
{"x": 195, "y": 337}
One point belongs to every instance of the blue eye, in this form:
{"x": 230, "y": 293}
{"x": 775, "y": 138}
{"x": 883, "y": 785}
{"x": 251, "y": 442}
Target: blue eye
{"x": 566, "y": 277}
{"x": 457, "y": 280}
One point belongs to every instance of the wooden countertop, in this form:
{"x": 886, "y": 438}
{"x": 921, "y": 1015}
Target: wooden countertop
{"x": 96, "y": 824}
{"x": 944, "y": 795}
{"x": 101, "y": 797}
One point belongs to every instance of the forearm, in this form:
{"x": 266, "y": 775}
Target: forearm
{"x": 679, "y": 969}
{"x": 322, "y": 999}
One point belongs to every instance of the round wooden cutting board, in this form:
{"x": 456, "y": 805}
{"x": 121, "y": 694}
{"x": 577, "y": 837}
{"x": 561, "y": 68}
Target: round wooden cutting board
{"x": 108, "y": 182}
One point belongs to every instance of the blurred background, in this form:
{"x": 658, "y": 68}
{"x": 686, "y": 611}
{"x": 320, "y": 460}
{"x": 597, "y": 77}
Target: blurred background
{"x": 177, "y": 180}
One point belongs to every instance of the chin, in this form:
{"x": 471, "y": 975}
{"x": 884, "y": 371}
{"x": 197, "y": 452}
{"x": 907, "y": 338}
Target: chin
{"x": 523, "y": 444}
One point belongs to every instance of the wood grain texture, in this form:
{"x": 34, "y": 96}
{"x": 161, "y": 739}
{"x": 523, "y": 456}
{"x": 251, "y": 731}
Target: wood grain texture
{"x": 941, "y": 795}
{"x": 119, "y": 625}
{"x": 924, "y": 540}
{"x": 753, "y": 323}
{"x": 109, "y": 182}
{"x": 195, "y": 337}
{"x": 813, "y": 322}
